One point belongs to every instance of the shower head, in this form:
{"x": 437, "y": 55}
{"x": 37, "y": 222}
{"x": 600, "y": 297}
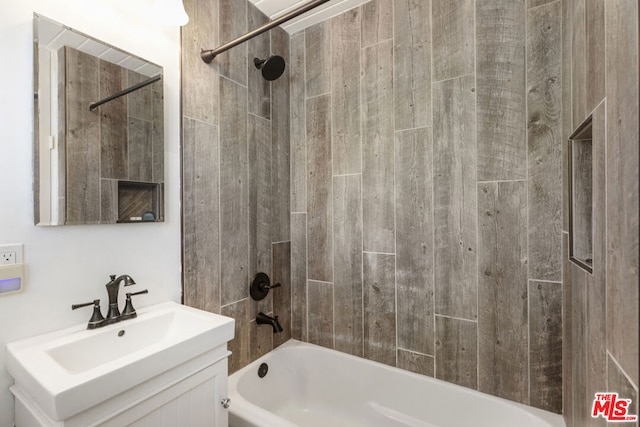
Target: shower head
{"x": 272, "y": 67}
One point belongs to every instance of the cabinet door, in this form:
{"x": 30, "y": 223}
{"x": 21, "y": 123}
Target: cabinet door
{"x": 193, "y": 402}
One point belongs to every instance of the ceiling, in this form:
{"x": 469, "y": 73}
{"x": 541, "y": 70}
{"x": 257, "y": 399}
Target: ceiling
{"x": 276, "y": 8}
{"x": 52, "y": 35}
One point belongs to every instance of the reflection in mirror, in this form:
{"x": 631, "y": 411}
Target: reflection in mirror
{"x": 102, "y": 164}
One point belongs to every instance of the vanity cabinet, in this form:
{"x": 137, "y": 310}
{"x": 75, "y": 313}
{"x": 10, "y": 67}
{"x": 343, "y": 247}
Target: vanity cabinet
{"x": 189, "y": 395}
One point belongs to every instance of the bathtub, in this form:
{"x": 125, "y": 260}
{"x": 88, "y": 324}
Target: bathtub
{"x": 311, "y": 386}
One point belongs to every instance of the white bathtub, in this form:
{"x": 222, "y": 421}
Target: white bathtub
{"x": 308, "y": 385}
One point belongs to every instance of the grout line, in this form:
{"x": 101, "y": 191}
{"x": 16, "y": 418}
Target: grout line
{"x": 361, "y": 137}
{"x": 545, "y": 281}
{"x": 526, "y": 155}
{"x": 456, "y": 77}
{"x": 621, "y": 370}
{"x": 344, "y": 174}
{"x": 378, "y": 253}
{"x": 406, "y": 350}
{"x": 331, "y": 199}
{"x": 456, "y": 318}
{"x": 233, "y": 303}
{"x": 476, "y": 216}
{"x": 305, "y": 331}
{"x": 540, "y": 6}
{"x": 500, "y": 181}
{"x": 321, "y": 281}
{"x": 433, "y": 198}
{"x": 412, "y": 129}
{"x": 392, "y": 142}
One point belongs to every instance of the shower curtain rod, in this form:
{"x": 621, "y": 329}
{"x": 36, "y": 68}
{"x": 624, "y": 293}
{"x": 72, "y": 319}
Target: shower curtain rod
{"x": 208, "y": 55}
{"x": 123, "y": 92}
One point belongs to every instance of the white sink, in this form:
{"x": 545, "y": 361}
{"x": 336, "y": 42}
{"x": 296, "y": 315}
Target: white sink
{"x": 68, "y": 371}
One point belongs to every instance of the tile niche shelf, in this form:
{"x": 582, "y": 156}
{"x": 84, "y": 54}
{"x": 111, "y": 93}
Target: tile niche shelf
{"x": 580, "y": 155}
{"x": 136, "y": 200}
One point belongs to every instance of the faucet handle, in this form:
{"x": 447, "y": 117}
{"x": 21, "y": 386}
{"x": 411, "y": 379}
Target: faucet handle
{"x": 129, "y": 312}
{"x": 112, "y": 277}
{"x": 96, "y": 317}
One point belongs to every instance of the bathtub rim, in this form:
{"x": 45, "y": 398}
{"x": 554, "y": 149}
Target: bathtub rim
{"x": 252, "y": 411}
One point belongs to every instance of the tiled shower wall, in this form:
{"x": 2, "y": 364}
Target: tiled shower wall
{"x": 600, "y": 71}
{"x": 426, "y": 190}
{"x": 235, "y": 183}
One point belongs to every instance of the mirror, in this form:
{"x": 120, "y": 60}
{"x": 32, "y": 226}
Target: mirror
{"x": 98, "y": 131}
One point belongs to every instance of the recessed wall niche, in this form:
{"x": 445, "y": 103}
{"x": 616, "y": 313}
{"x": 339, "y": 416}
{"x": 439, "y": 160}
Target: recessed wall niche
{"x": 581, "y": 196}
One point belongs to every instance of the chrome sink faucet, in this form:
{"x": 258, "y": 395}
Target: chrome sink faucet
{"x": 113, "y": 287}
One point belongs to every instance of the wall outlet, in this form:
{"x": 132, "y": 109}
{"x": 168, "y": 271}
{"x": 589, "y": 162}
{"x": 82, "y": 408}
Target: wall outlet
{"x": 11, "y": 254}
{"x": 7, "y": 258}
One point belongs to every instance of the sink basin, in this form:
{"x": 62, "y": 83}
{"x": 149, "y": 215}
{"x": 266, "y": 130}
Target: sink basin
{"x": 66, "y": 372}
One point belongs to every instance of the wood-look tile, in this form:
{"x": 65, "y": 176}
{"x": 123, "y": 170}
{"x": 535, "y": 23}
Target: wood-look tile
{"x": 596, "y": 283}
{"x": 347, "y": 261}
{"x": 260, "y": 339}
{"x": 140, "y": 153}
{"x": 200, "y": 80}
{"x": 567, "y": 123}
{"x": 157, "y": 135}
{"x": 258, "y": 47}
{"x": 113, "y": 123}
{"x": 567, "y": 333}
{"x": 260, "y": 203}
{"x": 453, "y": 38}
{"x": 282, "y": 295}
{"x": 454, "y": 167}
{"x": 377, "y": 22}
{"x": 318, "y": 59}
{"x": 82, "y": 143}
{"x": 377, "y": 148}
{"x": 416, "y": 362}
{"x": 457, "y": 351}
{"x": 299, "y": 277}
{"x": 319, "y": 222}
{"x": 412, "y": 63}
{"x": 414, "y": 239}
{"x": 200, "y": 216}
{"x": 500, "y": 77}
{"x": 618, "y": 381}
{"x": 139, "y": 102}
{"x": 579, "y": 339}
{"x": 543, "y": 141}
{"x": 345, "y": 93}
{"x": 108, "y": 201}
{"x": 578, "y": 63}
{"x": 320, "y": 308}
{"x": 240, "y": 345}
{"x": 298, "y": 127}
{"x": 545, "y": 345}
{"x": 582, "y": 160}
{"x": 502, "y": 290}
{"x": 622, "y": 183}
{"x": 232, "y": 23}
{"x": 536, "y": 3}
{"x": 595, "y": 54}
{"x": 280, "y": 144}
{"x": 234, "y": 193}
{"x": 379, "y": 308}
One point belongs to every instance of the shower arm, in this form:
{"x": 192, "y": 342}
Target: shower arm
{"x": 208, "y": 55}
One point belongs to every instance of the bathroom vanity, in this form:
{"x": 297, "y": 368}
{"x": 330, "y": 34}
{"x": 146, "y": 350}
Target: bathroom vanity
{"x": 166, "y": 367}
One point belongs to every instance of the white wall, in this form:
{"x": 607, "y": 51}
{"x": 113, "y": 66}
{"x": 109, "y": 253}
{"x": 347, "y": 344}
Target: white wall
{"x": 71, "y": 264}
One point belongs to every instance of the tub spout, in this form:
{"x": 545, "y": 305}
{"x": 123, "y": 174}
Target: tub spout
{"x": 263, "y": 319}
